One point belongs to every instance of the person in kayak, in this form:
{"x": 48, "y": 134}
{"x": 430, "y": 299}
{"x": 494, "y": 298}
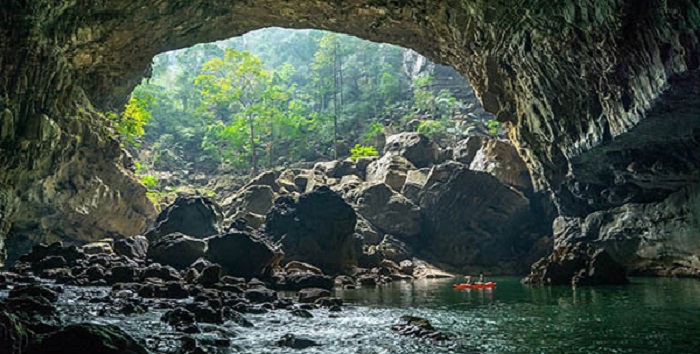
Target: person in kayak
{"x": 481, "y": 277}
{"x": 469, "y": 279}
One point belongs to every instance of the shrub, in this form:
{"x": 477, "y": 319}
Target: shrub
{"x": 150, "y": 182}
{"x": 362, "y": 151}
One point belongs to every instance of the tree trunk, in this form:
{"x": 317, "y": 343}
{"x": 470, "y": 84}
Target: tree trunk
{"x": 254, "y": 160}
{"x": 335, "y": 102}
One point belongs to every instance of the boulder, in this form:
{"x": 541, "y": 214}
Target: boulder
{"x": 294, "y": 342}
{"x": 135, "y": 247}
{"x": 465, "y": 150}
{"x": 415, "y": 181}
{"x": 578, "y": 264}
{"x": 255, "y": 199}
{"x": 394, "y": 249}
{"x": 337, "y": 169}
{"x": 418, "y": 327}
{"x": 318, "y": 229}
{"x": 369, "y": 233}
{"x": 415, "y": 147}
{"x": 243, "y": 254}
{"x": 389, "y": 169}
{"x": 88, "y": 338}
{"x": 501, "y": 160}
{"x": 177, "y": 250}
{"x": 310, "y": 295}
{"x": 389, "y": 211}
{"x": 195, "y": 216}
{"x": 474, "y": 222}
{"x": 97, "y": 248}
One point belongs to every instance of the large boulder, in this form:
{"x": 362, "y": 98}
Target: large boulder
{"x": 318, "y": 229}
{"x": 465, "y": 150}
{"x": 177, "y": 250}
{"x": 250, "y": 203}
{"x": 389, "y": 169}
{"x": 501, "y": 160}
{"x": 474, "y": 222}
{"x": 415, "y": 147}
{"x": 88, "y": 338}
{"x": 134, "y": 247}
{"x": 243, "y": 254}
{"x": 415, "y": 181}
{"x": 391, "y": 212}
{"x": 578, "y": 264}
{"x": 195, "y": 216}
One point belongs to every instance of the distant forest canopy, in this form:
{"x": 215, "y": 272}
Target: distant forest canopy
{"x": 274, "y": 97}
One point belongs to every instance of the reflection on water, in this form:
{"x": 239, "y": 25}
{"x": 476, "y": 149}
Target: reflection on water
{"x": 648, "y": 316}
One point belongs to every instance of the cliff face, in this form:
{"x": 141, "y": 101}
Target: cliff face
{"x": 600, "y": 97}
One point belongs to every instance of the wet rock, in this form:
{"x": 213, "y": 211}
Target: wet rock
{"x": 260, "y": 295}
{"x": 209, "y": 276}
{"x": 158, "y": 271}
{"x": 298, "y": 280}
{"x": 88, "y": 338}
{"x": 236, "y": 317}
{"x": 124, "y": 274}
{"x": 389, "y": 211}
{"x": 329, "y": 302}
{"x": 294, "y": 342}
{"x": 415, "y": 147}
{"x": 178, "y": 316}
{"x": 310, "y": 295}
{"x": 579, "y": 264}
{"x": 301, "y": 313}
{"x": 33, "y": 290}
{"x": 135, "y": 247}
{"x": 318, "y": 229}
{"x": 14, "y": 336}
{"x": 417, "y": 327}
{"x": 243, "y": 254}
{"x": 177, "y": 250}
{"x": 204, "y": 313}
{"x": 194, "y": 216}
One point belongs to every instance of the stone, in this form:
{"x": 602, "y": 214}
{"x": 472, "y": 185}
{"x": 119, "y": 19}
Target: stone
{"x": 414, "y": 147}
{"x": 243, "y": 254}
{"x": 135, "y": 247}
{"x": 88, "y": 338}
{"x": 418, "y": 327}
{"x": 474, "y": 222}
{"x": 415, "y": 181}
{"x": 318, "y": 229}
{"x": 389, "y": 169}
{"x": 466, "y": 149}
{"x": 579, "y": 264}
{"x": 394, "y": 249}
{"x": 500, "y": 159}
{"x": 294, "y": 342}
{"x": 254, "y": 199}
{"x": 195, "y": 216}
{"x": 310, "y": 295}
{"x": 260, "y": 295}
{"x": 177, "y": 250}
{"x": 178, "y": 316}
{"x": 300, "y": 280}
{"x": 209, "y": 276}
{"x": 296, "y": 266}
{"x": 97, "y": 248}
{"x": 388, "y": 210}
{"x": 159, "y": 271}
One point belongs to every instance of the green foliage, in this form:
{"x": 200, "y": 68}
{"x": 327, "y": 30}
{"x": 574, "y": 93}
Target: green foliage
{"x": 150, "y": 182}
{"x": 432, "y": 128}
{"x": 130, "y": 125}
{"x": 373, "y": 130}
{"x": 362, "y": 151}
{"x": 494, "y": 126}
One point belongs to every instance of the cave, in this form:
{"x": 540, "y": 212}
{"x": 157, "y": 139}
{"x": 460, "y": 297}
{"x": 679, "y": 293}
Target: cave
{"x": 600, "y": 98}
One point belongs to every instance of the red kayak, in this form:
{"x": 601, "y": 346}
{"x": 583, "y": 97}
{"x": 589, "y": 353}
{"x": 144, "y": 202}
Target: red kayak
{"x": 488, "y": 285}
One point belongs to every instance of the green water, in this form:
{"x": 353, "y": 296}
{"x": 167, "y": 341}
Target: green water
{"x": 651, "y": 315}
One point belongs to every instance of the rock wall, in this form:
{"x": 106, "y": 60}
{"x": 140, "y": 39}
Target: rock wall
{"x": 589, "y": 90}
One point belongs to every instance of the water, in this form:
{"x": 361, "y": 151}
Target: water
{"x": 651, "y": 315}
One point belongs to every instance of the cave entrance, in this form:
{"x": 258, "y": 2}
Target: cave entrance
{"x": 278, "y": 98}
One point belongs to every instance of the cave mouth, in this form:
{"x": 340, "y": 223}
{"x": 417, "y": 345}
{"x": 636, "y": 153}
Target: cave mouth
{"x": 279, "y": 115}
{"x": 309, "y": 96}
